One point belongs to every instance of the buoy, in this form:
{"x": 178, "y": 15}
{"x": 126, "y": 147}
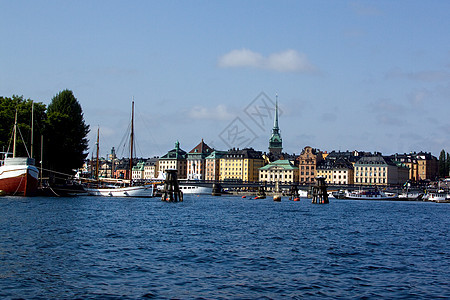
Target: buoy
{"x": 296, "y": 199}
{"x": 244, "y": 196}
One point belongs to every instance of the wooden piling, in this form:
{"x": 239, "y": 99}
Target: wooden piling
{"x": 171, "y": 191}
{"x": 216, "y": 189}
{"x": 319, "y": 192}
{"x": 293, "y": 192}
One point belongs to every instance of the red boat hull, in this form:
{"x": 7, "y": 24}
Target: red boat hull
{"x": 23, "y": 185}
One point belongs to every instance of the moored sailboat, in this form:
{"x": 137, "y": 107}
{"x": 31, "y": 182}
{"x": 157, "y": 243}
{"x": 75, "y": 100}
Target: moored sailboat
{"x": 119, "y": 188}
{"x": 18, "y": 175}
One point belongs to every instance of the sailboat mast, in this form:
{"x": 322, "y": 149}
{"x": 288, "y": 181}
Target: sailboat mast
{"x": 32, "y": 126}
{"x": 42, "y": 153}
{"x": 131, "y": 140}
{"x": 98, "y": 146}
{"x": 15, "y": 133}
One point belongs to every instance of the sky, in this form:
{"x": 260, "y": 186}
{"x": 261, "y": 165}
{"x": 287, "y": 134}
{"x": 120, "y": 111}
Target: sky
{"x": 348, "y": 75}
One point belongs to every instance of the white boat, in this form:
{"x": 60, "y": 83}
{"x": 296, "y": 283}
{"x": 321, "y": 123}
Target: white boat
{"x": 372, "y": 194}
{"x": 437, "y": 196}
{"x": 122, "y": 188}
{"x": 18, "y": 175}
{"x": 410, "y": 196}
{"x": 194, "y": 189}
{"x": 144, "y": 191}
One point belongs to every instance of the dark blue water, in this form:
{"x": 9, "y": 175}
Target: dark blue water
{"x": 222, "y": 247}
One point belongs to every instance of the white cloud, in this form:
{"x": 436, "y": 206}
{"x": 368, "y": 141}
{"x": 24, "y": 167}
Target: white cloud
{"x": 241, "y": 58}
{"x": 285, "y": 61}
{"x": 220, "y": 112}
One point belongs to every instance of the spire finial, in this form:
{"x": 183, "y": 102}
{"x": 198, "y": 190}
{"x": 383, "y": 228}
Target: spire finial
{"x": 275, "y": 121}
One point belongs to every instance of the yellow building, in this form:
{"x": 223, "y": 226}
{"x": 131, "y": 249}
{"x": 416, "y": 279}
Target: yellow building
{"x": 379, "y": 170}
{"x": 338, "y": 171}
{"x": 421, "y": 165}
{"x": 241, "y": 165}
{"x": 282, "y": 171}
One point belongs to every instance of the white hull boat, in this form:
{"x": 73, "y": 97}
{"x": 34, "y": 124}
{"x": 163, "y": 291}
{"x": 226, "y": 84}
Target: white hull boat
{"x": 144, "y": 191}
{"x": 193, "y": 189}
{"x": 369, "y": 195}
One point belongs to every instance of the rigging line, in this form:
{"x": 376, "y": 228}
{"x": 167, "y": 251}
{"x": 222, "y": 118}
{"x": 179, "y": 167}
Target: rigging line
{"x": 125, "y": 141}
{"x": 20, "y": 132}
{"x": 147, "y": 125}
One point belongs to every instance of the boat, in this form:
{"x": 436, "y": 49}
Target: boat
{"x": 194, "y": 189}
{"x": 18, "y": 175}
{"x": 119, "y": 188}
{"x": 369, "y": 194}
{"x": 142, "y": 191}
{"x": 439, "y": 196}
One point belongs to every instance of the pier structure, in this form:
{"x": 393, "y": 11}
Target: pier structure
{"x": 261, "y": 194}
{"x": 293, "y": 193}
{"x": 216, "y": 189}
{"x": 171, "y": 191}
{"x": 319, "y": 192}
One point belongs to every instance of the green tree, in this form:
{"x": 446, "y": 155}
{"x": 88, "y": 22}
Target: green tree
{"x": 8, "y": 107}
{"x": 442, "y": 163}
{"x": 65, "y": 134}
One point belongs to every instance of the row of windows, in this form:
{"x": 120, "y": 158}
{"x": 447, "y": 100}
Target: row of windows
{"x": 307, "y": 173}
{"x": 370, "y": 180}
{"x": 370, "y": 174}
{"x": 306, "y": 167}
{"x": 371, "y": 168}
{"x": 276, "y": 176}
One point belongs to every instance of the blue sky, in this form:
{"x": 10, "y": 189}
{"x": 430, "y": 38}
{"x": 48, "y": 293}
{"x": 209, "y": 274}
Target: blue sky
{"x": 350, "y": 75}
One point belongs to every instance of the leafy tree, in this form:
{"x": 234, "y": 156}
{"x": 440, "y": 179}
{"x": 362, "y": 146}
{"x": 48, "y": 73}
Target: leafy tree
{"x": 8, "y": 107}
{"x": 65, "y": 134}
{"x": 442, "y": 164}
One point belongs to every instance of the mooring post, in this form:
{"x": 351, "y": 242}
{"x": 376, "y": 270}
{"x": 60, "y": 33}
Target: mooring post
{"x": 293, "y": 192}
{"x": 216, "y": 189}
{"x": 171, "y": 192}
{"x": 319, "y": 192}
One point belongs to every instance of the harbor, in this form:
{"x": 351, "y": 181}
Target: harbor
{"x": 222, "y": 247}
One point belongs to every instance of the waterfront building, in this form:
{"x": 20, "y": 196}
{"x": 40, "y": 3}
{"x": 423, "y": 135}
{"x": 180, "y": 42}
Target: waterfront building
{"x": 275, "y": 142}
{"x": 282, "y": 171}
{"x": 336, "y": 171}
{"x": 213, "y": 165}
{"x": 174, "y": 159}
{"x": 410, "y": 161}
{"x": 137, "y": 172}
{"x": 241, "y": 165}
{"x": 307, "y": 162}
{"x": 379, "y": 170}
{"x": 427, "y": 166}
{"x": 350, "y": 156}
{"x": 151, "y": 168}
{"x": 422, "y": 166}
{"x": 122, "y": 169}
{"x": 196, "y": 161}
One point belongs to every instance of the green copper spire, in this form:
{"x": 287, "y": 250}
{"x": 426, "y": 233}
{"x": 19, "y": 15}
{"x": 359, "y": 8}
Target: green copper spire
{"x": 276, "y": 142}
{"x": 275, "y": 120}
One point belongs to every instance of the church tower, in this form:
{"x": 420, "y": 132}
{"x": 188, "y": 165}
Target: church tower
{"x": 275, "y": 142}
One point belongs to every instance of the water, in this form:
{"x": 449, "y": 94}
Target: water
{"x": 222, "y": 247}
